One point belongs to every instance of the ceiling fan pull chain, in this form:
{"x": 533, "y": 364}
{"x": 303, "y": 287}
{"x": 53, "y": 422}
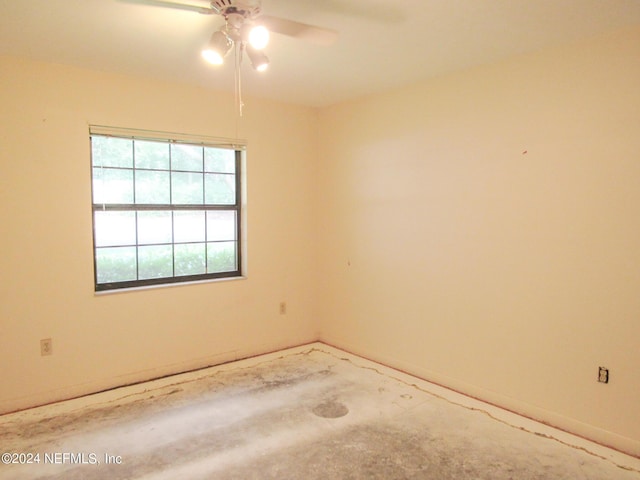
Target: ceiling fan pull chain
{"x": 238, "y": 65}
{"x": 238, "y": 80}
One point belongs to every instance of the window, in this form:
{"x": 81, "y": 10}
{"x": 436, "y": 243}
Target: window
{"x": 165, "y": 210}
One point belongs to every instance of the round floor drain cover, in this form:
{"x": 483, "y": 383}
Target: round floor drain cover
{"x": 331, "y": 409}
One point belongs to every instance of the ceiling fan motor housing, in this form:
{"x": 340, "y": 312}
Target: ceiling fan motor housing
{"x": 245, "y": 8}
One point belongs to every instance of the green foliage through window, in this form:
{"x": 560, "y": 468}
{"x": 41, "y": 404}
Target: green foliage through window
{"x": 164, "y": 211}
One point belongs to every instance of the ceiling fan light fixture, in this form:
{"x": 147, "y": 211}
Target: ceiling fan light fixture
{"x": 259, "y": 37}
{"x": 259, "y": 61}
{"x": 218, "y": 47}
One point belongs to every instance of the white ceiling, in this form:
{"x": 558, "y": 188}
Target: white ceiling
{"x": 382, "y": 44}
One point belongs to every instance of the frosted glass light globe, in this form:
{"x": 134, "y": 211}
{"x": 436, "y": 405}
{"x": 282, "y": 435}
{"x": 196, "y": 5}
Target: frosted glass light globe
{"x": 259, "y": 37}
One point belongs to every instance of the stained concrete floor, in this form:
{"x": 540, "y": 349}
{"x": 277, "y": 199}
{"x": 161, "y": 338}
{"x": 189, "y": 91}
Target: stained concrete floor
{"x": 308, "y": 413}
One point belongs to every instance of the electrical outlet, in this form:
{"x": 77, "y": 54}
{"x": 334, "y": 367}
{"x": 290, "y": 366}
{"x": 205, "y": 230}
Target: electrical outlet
{"x": 46, "y": 347}
{"x": 283, "y": 308}
{"x": 603, "y": 375}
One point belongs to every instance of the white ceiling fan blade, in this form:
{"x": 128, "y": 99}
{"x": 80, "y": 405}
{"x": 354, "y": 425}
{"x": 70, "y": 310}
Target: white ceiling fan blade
{"x": 318, "y": 35}
{"x": 175, "y": 5}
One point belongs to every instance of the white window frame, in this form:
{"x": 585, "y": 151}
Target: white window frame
{"x": 139, "y": 209}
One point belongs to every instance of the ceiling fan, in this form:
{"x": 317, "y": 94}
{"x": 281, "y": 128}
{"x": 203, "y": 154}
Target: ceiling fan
{"x": 247, "y": 28}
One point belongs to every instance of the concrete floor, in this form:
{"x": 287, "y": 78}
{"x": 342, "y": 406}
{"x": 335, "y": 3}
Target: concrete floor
{"x": 308, "y": 413}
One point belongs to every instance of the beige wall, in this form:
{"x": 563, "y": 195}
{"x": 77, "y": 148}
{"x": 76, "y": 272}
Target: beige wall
{"x": 479, "y": 230}
{"x": 483, "y": 231}
{"x": 46, "y": 241}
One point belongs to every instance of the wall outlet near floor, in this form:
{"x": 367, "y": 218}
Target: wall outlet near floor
{"x": 46, "y": 347}
{"x": 603, "y": 375}
{"x": 283, "y": 308}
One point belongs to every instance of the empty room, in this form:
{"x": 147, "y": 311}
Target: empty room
{"x": 311, "y": 239}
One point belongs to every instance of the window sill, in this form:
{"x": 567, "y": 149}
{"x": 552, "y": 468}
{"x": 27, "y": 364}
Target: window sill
{"x": 167, "y": 285}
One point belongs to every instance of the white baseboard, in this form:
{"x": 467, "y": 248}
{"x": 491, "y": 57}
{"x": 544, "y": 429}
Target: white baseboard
{"x": 622, "y": 450}
{"x": 131, "y": 378}
{"x": 513, "y": 411}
